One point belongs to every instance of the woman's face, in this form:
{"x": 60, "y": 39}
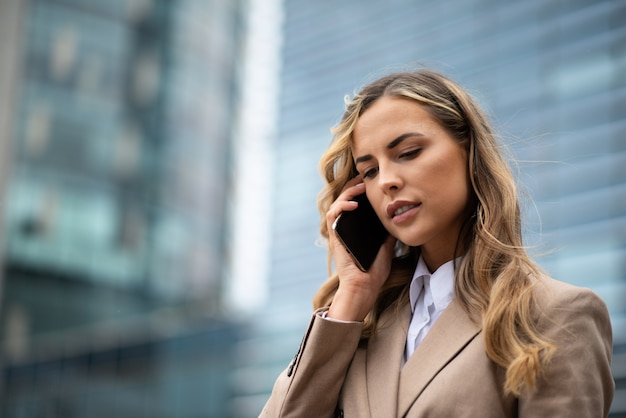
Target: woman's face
{"x": 415, "y": 176}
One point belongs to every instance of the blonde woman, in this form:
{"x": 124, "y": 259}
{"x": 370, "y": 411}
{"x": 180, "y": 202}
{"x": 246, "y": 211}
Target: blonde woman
{"x": 453, "y": 318}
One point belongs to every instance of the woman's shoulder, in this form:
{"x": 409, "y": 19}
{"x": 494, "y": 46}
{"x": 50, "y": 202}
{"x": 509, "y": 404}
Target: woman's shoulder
{"x": 576, "y": 380}
{"x": 554, "y": 296}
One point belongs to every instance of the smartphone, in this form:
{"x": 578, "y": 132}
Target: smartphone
{"x": 361, "y": 232}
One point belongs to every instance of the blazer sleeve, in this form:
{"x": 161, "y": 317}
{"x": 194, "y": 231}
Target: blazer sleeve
{"x": 310, "y": 386}
{"x": 577, "y": 382}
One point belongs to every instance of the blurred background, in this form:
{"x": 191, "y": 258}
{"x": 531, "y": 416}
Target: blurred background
{"x": 158, "y": 178}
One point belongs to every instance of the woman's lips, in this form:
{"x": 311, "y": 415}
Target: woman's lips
{"x": 403, "y": 209}
{"x": 404, "y": 213}
{"x": 400, "y": 210}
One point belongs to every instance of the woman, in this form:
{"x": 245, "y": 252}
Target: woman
{"x": 453, "y": 318}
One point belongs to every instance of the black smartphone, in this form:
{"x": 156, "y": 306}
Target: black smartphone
{"x": 361, "y": 232}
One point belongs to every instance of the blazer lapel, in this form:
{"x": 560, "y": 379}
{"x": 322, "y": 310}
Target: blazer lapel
{"x": 385, "y": 354}
{"x": 450, "y": 334}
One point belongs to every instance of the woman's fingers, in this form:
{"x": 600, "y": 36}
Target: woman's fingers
{"x": 337, "y": 208}
{"x": 343, "y": 202}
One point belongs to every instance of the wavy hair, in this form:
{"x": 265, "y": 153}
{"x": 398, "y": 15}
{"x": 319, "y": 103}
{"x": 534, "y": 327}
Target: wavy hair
{"x": 494, "y": 281}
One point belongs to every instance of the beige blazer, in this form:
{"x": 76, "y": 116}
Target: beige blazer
{"x": 334, "y": 374}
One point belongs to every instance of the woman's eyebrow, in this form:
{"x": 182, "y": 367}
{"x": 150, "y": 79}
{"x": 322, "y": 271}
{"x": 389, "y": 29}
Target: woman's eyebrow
{"x": 401, "y": 138}
{"x": 390, "y": 145}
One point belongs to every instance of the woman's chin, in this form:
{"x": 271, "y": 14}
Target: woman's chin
{"x": 409, "y": 241}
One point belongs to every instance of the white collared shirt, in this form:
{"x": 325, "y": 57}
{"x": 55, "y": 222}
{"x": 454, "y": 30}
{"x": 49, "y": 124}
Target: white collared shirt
{"x": 430, "y": 293}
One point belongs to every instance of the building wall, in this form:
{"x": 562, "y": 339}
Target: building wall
{"x": 552, "y": 75}
{"x": 113, "y": 217}
{"x": 122, "y": 143}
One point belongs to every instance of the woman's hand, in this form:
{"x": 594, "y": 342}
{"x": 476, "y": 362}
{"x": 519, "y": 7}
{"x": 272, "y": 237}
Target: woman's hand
{"x": 357, "y": 290}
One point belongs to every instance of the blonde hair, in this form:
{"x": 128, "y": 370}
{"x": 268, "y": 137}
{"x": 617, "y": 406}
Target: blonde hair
{"x": 494, "y": 280}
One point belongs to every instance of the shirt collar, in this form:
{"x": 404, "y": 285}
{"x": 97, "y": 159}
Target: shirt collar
{"x": 439, "y": 284}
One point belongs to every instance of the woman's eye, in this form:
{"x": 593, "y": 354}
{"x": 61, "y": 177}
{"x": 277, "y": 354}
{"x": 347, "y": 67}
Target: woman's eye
{"x": 369, "y": 173}
{"x": 411, "y": 153}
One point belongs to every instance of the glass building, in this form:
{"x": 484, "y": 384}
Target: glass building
{"x": 552, "y": 75}
{"x": 121, "y": 118}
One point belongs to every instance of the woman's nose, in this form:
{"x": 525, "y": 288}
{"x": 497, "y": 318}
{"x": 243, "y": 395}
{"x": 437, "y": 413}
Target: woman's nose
{"x": 389, "y": 179}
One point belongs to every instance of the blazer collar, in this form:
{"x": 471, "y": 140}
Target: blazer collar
{"x": 385, "y": 355}
{"x": 448, "y": 336}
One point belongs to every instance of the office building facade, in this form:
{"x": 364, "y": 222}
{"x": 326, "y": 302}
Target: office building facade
{"x": 114, "y": 237}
